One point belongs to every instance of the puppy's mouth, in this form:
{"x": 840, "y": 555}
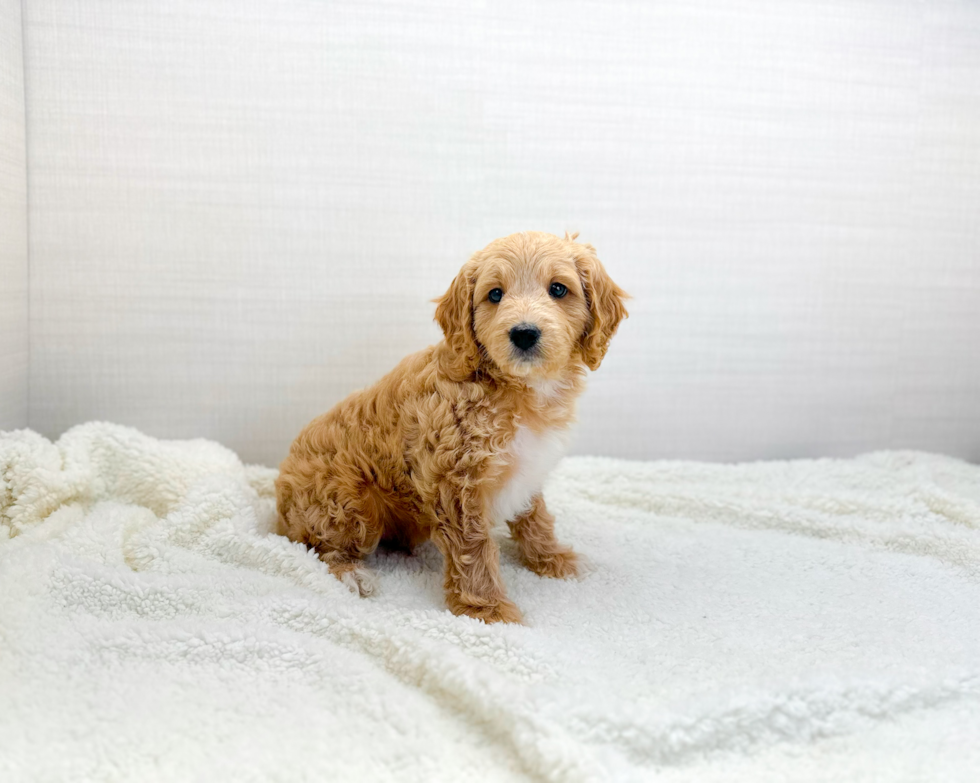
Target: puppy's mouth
{"x": 525, "y": 355}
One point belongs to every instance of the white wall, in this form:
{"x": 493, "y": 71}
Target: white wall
{"x": 13, "y": 223}
{"x": 240, "y": 210}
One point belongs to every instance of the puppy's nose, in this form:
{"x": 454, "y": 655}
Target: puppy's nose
{"x": 525, "y": 336}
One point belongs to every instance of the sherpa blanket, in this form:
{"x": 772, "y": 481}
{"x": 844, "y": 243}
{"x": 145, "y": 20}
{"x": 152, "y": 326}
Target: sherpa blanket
{"x": 811, "y": 620}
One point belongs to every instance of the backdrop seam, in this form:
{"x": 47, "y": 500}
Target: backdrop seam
{"x": 27, "y": 206}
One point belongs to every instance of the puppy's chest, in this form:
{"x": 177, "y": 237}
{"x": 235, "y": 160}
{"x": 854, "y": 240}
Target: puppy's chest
{"x": 531, "y": 456}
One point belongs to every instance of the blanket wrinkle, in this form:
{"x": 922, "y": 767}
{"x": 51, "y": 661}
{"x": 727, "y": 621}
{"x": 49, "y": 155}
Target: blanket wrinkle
{"x": 806, "y": 618}
{"x": 911, "y": 518}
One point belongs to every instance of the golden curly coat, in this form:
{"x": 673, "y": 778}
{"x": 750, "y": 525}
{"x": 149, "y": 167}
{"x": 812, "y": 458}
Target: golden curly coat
{"x": 461, "y": 435}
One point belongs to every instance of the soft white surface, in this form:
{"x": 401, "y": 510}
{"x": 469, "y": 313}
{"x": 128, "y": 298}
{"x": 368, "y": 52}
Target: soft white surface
{"x": 13, "y": 222}
{"x": 818, "y": 620}
{"x": 240, "y": 209}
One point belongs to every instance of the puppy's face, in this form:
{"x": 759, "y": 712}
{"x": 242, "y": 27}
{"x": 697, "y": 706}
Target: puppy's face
{"x": 529, "y": 307}
{"x": 532, "y": 304}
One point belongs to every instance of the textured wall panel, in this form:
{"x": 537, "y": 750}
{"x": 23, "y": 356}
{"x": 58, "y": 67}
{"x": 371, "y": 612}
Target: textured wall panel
{"x": 240, "y": 210}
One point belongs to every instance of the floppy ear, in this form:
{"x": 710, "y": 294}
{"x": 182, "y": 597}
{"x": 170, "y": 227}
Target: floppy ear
{"x": 454, "y": 314}
{"x": 605, "y": 300}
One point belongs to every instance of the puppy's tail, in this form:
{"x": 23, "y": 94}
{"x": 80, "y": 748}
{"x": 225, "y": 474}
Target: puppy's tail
{"x": 284, "y": 504}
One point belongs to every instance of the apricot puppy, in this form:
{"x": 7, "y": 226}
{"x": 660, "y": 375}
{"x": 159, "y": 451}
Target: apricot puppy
{"x": 460, "y": 436}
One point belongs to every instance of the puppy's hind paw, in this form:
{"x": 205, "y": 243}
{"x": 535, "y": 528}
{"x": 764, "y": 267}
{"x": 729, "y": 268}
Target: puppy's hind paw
{"x": 356, "y": 578}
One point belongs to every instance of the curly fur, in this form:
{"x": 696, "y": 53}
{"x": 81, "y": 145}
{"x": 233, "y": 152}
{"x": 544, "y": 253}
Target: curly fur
{"x": 426, "y": 451}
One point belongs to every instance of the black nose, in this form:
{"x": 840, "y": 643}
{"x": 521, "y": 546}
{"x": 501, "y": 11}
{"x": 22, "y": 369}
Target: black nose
{"x": 525, "y": 336}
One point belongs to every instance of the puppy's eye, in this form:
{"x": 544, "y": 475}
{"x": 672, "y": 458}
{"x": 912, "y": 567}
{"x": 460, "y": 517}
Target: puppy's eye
{"x": 557, "y": 290}
{"x": 496, "y": 295}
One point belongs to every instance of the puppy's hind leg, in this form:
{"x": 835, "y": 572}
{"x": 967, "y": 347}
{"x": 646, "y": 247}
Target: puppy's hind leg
{"x": 343, "y": 535}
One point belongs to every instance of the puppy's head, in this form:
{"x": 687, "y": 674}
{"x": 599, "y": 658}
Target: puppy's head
{"x": 531, "y": 304}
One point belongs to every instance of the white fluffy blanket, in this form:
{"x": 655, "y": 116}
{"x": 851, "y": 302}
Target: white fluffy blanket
{"x": 808, "y": 619}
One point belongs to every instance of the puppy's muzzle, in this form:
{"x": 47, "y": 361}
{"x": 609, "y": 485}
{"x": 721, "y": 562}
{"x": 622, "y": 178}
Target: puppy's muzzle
{"x": 525, "y": 337}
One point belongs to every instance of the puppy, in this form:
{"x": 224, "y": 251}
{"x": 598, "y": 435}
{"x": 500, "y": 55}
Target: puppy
{"x": 460, "y": 436}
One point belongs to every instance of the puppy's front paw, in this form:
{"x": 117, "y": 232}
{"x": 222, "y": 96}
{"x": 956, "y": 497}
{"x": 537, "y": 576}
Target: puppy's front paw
{"x": 503, "y": 611}
{"x": 560, "y": 564}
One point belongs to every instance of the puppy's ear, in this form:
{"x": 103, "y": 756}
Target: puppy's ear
{"x": 605, "y": 300}
{"x": 454, "y": 314}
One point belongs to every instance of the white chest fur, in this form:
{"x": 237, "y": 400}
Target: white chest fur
{"x": 533, "y": 455}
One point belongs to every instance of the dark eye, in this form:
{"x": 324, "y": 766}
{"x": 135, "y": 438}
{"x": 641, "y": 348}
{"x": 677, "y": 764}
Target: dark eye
{"x": 496, "y": 295}
{"x": 557, "y": 290}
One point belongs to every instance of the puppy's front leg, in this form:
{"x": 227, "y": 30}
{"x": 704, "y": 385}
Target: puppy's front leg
{"x": 534, "y": 532}
{"x": 473, "y": 583}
